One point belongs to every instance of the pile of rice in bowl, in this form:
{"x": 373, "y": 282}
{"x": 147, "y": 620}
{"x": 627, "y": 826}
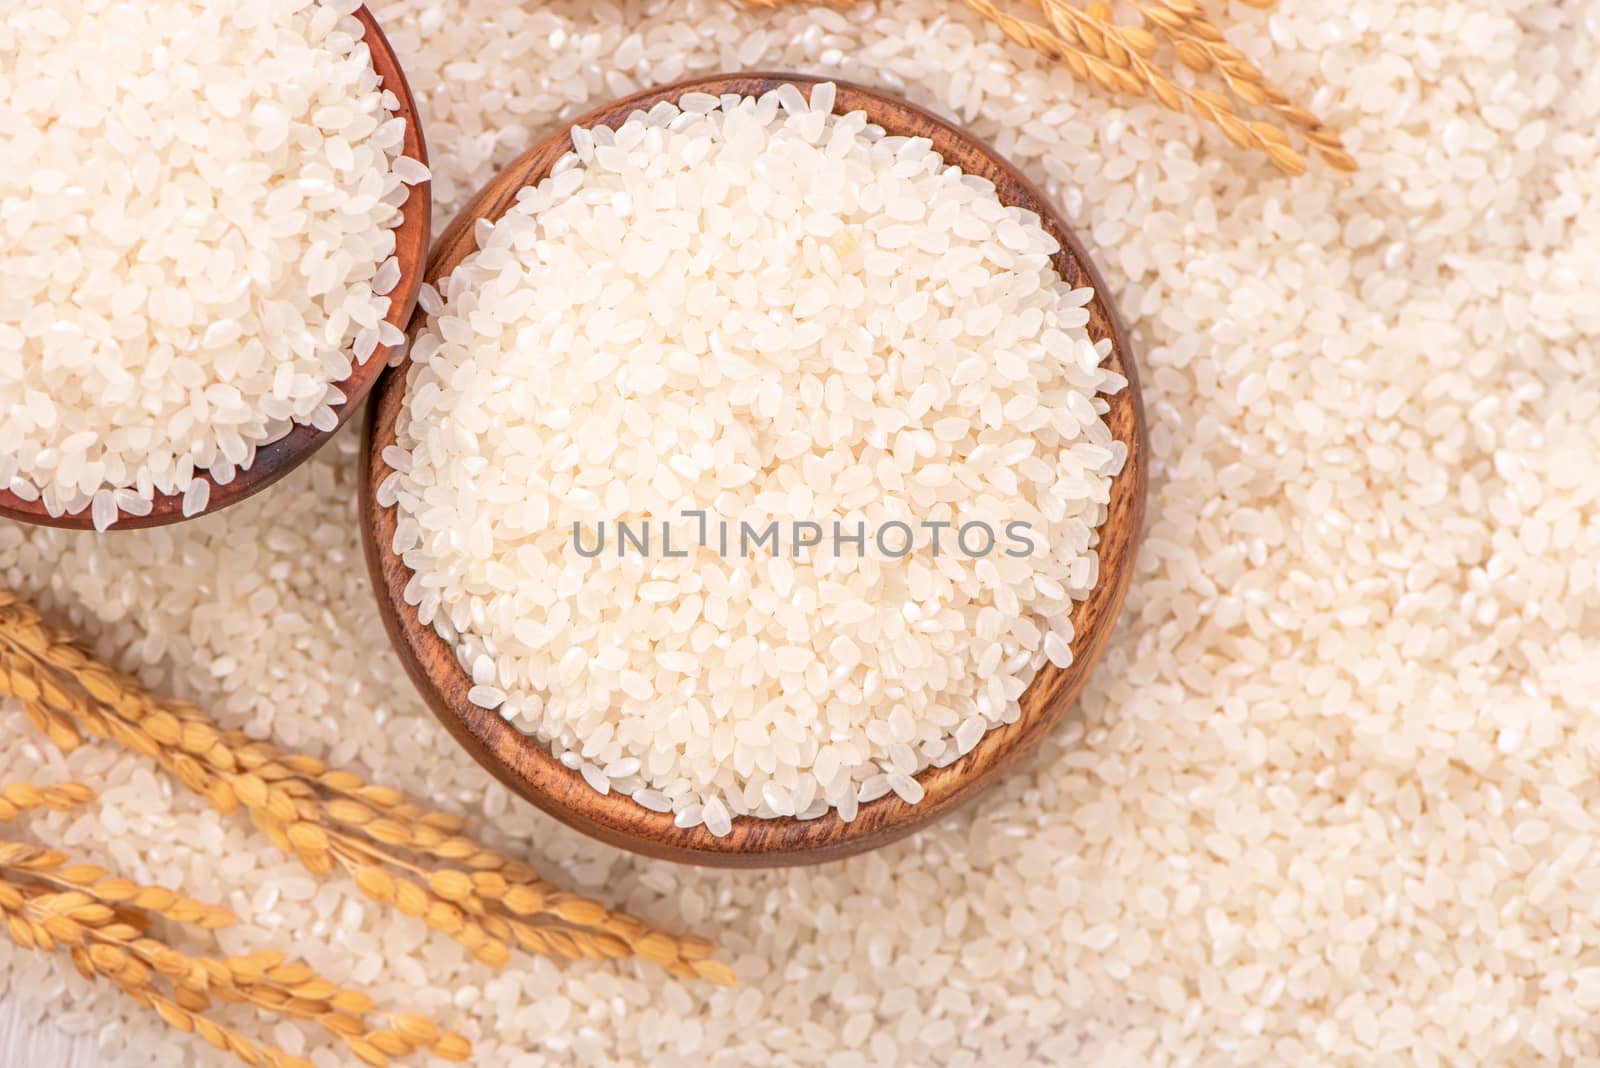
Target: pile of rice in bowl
{"x": 754, "y": 460}
{"x": 197, "y": 217}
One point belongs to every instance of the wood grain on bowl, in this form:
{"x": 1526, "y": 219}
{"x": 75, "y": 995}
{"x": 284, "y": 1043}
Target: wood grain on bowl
{"x": 527, "y": 767}
{"x": 277, "y": 459}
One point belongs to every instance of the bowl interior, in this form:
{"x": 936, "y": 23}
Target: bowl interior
{"x": 525, "y": 766}
{"x": 274, "y": 460}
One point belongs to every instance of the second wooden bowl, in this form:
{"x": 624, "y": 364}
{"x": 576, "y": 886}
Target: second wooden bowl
{"x": 527, "y": 767}
{"x": 274, "y": 460}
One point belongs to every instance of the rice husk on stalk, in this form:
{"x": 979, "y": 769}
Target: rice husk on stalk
{"x": 107, "y": 926}
{"x": 1124, "y": 59}
{"x": 400, "y": 854}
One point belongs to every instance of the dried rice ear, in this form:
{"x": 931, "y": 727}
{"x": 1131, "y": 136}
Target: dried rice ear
{"x": 400, "y": 854}
{"x": 107, "y": 926}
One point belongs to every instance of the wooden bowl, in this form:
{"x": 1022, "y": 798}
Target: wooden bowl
{"x": 277, "y": 459}
{"x": 527, "y": 767}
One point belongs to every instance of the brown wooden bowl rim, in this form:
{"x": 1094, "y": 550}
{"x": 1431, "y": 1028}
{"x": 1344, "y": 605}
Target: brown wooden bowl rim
{"x": 526, "y": 766}
{"x": 277, "y": 459}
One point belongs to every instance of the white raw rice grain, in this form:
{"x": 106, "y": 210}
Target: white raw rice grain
{"x": 597, "y": 779}
{"x": 196, "y": 497}
{"x": 654, "y": 800}
{"x": 715, "y": 815}
{"x": 192, "y": 236}
{"x": 908, "y": 789}
{"x": 486, "y": 696}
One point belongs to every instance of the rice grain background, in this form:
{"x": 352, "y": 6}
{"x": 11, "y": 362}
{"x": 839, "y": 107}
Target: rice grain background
{"x": 1331, "y": 797}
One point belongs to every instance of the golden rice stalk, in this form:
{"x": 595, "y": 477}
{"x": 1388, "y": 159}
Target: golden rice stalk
{"x": 103, "y": 923}
{"x": 19, "y": 797}
{"x": 1127, "y": 51}
{"x": 401, "y": 854}
{"x": 1123, "y": 59}
{"x": 1201, "y": 46}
